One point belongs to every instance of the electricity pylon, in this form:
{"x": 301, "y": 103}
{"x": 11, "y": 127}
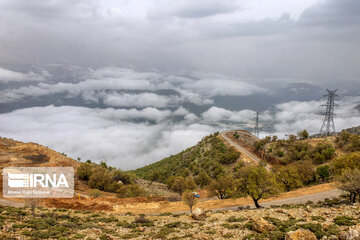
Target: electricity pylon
{"x": 328, "y": 126}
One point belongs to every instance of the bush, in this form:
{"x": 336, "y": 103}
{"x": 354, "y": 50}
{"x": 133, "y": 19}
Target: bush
{"x": 323, "y": 172}
{"x": 189, "y": 183}
{"x": 95, "y": 193}
{"x": 348, "y": 142}
{"x": 84, "y": 171}
{"x": 229, "y": 158}
{"x": 178, "y": 185}
{"x": 101, "y": 179}
{"x": 303, "y": 134}
{"x": 289, "y": 177}
{"x": 132, "y": 190}
{"x": 305, "y": 170}
{"x": 322, "y": 153}
{"x": 202, "y": 179}
{"x": 344, "y": 221}
{"x": 235, "y": 219}
{"x": 122, "y": 176}
{"x": 348, "y": 161}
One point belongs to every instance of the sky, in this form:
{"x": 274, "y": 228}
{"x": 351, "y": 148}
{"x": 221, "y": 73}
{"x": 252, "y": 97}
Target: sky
{"x": 131, "y": 82}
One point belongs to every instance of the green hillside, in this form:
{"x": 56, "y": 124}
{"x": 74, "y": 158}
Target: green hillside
{"x": 296, "y": 161}
{"x": 210, "y": 158}
{"x": 354, "y": 130}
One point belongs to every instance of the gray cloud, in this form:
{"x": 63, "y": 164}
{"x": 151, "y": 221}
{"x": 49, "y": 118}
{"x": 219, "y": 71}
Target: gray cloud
{"x": 131, "y": 82}
{"x": 192, "y": 9}
{"x": 216, "y": 36}
{"x": 111, "y": 86}
{"x": 333, "y": 14}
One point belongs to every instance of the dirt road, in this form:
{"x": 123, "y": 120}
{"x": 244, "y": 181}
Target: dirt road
{"x": 121, "y": 206}
{"x": 241, "y": 149}
{"x": 9, "y": 203}
{"x": 316, "y": 197}
{"x": 302, "y": 195}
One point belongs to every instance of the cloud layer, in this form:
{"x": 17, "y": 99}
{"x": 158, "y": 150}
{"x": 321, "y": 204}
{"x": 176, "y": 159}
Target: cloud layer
{"x": 104, "y": 134}
{"x": 131, "y": 138}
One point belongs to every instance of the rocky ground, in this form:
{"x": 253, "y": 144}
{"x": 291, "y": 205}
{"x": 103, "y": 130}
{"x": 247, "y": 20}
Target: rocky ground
{"x": 331, "y": 219}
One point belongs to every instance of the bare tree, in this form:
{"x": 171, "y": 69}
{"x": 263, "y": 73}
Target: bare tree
{"x": 189, "y": 199}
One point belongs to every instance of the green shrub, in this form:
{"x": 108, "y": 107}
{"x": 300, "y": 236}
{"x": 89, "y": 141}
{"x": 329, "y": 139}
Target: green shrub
{"x": 322, "y": 153}
{"x": 173, "y": 224}
{"x": 130, "y": 235}
{"x": 318, "y": 218}
{"x": 164, "y": 232}
{"x": 235, "y": 219}
{"x": 316, "y": 228}
{"x": 84, "y": 171}
{"x": 231, "y": 226}
{"x": 132, "y": 190}
{"x": 323, "y": 172}
{"x": 344, "y": 221}
{"x": 95, "y": 193}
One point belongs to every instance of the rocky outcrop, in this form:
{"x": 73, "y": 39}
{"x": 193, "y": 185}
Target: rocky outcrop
{"x": 300, "y": 234}
{"x": 198, "y": 214}
{"x": 352, "y": 234}
{"x": 261, "y": 225}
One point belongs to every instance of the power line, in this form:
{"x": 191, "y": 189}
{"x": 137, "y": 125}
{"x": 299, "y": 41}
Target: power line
{"x": 328, "y": 126}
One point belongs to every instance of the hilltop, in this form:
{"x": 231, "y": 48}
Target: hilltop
{"x": 19, "y": 154}
{"x": 15, "y": 154}
{"x": 209, "y": 158}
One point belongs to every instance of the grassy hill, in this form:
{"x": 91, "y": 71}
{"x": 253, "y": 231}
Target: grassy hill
{"x": 209, "y": 158}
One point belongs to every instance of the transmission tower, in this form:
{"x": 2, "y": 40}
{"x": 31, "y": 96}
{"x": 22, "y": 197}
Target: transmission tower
{"x": 328, "y": 126}
{"x": 256, "y": 129}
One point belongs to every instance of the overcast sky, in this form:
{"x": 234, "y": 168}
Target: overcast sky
{"x": 131, "y": 82}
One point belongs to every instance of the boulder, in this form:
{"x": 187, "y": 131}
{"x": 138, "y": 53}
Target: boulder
{"x": 198, "y": 214}
{"x": 261, "y": 225}
{"x": 300, "y": 234}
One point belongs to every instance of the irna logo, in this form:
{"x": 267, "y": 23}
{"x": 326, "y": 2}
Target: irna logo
{"x": 38, "y": 182}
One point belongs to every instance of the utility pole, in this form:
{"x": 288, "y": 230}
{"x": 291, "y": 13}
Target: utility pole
{"x": 328, "y": 126}
{"x": 256, "y": 129}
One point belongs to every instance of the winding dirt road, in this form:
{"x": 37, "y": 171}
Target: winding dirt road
{"x": 241, "y": 149}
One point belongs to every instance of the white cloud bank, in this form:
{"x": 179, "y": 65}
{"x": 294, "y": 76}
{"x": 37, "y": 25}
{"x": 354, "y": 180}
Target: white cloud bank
{"x": 127, "y": 138}
{"x": 103, "y": 134}
{"x": 7, "y": 76}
